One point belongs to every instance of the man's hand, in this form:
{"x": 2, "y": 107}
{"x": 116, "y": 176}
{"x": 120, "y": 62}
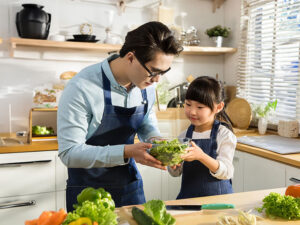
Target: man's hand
{"x": 139, "y": 153}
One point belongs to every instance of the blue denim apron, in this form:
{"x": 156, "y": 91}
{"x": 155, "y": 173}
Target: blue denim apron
{"x": 118, "y": 126}
{"x": 196, "y": 178}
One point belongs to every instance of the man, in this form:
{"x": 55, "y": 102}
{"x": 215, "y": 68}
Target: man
{"x": 104, "y": 106}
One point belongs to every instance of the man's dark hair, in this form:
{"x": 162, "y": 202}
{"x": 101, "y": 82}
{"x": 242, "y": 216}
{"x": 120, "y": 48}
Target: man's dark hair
{"x": 148, "y": 39}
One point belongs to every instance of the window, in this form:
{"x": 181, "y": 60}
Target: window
{"x": 269, "y": 55}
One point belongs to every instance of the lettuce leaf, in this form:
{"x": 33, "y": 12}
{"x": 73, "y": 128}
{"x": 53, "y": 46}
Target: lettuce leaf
{"x": 157, "y": 210}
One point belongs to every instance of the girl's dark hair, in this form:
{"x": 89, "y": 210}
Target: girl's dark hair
{"x": 149, "y": 38}
{"x": 207, "y": 91}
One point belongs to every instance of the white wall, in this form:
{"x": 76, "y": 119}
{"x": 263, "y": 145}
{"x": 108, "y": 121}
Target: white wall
{"x": 19, "y": 77}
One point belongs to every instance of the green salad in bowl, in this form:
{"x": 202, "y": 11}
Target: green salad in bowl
{"x": 168, "y": 151}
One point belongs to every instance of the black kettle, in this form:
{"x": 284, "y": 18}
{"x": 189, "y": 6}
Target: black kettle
{"x": 33, "y": 22}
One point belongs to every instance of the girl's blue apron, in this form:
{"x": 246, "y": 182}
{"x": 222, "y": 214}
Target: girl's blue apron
{"x": 118, "y": 126}
{"x": 196, "y": 178}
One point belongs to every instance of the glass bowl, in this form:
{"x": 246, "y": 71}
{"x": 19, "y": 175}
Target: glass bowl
{"x": 169, "y": 150}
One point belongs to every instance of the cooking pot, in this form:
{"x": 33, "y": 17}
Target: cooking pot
{"x": 33, "y": 22}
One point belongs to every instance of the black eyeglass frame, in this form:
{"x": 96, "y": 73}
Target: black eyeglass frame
{"x": 152, "y": 74}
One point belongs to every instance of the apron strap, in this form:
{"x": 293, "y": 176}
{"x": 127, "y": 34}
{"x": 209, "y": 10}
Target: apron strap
{"x": 106, "y": 88}
{"x": 145, "y": 100}
{"x": 213, "y": 135}
{"x": 189, "y": 132}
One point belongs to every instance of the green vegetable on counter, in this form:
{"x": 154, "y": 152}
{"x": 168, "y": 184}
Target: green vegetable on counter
{"x": 96, "y": 195}
{"x": 42, "y": 130}
{"x": 168, "y": 152}
{"x": 155, "y": 213}
{"x": 277, "y": 205}
{"x": 95, "y": 204}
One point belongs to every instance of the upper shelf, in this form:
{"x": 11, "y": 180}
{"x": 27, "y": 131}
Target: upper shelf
{"x": 191, "y": 50}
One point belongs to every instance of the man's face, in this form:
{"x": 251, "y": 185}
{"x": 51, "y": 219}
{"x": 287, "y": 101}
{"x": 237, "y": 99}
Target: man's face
{"x": 139, "y": 75}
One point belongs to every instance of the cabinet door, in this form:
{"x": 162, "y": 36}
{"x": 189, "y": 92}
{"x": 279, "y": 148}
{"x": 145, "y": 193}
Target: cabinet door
{"x": 61, "y": 174}
{"x": 16, "y": 210}
{"x": 238, "y": 177}
{"x": 170, "y": 186}
{"x": 27, "y": 173}
{"x": 292, "y": 175}
{"x": 60, "y": 200}
{"x": 152, "y": 181}
{"x": 261, "y": 173}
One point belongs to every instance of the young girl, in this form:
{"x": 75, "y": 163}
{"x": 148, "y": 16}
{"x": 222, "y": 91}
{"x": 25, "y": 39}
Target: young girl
{"x": 207, "y": 168}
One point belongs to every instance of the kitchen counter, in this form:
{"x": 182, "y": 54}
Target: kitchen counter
{"x": 35, "y": 146}
{"x": 289, "y": 159}
{"x": 242, "y": 201}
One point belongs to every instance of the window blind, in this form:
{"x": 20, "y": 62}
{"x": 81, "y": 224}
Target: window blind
{"x": 269, "y": 55}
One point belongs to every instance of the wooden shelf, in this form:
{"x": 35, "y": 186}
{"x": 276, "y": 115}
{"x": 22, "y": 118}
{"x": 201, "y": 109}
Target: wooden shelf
{"x": 197, "y": 50}
{"x": 15, "y": 42}
{"x": 188, "y": 50}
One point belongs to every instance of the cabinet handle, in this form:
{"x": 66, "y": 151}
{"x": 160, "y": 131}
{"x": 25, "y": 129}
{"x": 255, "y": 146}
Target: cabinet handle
{"x": 295, "y": 180}
{"x": 13, "y": 205}
{"x": 18, "y": 164}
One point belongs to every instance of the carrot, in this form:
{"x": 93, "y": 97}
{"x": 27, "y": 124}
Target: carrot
{"x": 57, "y": 218}
{"x": 44, "y": 217}
{"x": 31, "y": 222}
{"x": 95, "y": 223}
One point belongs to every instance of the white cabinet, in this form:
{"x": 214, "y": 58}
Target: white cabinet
{"x": 152, "y": 181}
{"x": 159, "y": 184}
{"x": 238, "y": 177}
{"x": 261, "y": 173}
{"x": 31, "y": 182}
{"x": 292, "y": 175}
{"x": 16, "y": 210}
{"x": 171, "y": 186}
{"x": 253, "y": 172}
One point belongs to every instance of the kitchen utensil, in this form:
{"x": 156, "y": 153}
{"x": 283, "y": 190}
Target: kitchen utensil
{"x": 84, "y": 37}
{"x": 215, "y": 206}
{"x": 239, "y": 112}
{"x": 76, "y": 40}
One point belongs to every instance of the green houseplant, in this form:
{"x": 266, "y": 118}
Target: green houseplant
{"x": 263, "y": 112}
{"x": 218, "y": 33}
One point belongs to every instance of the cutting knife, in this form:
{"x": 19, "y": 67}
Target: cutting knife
{"x": 200, "y": 207}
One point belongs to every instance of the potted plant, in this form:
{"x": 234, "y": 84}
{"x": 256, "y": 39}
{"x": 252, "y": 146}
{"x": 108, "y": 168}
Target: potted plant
{"x": 218, "y": 33}
{"x": 263, "y": 112}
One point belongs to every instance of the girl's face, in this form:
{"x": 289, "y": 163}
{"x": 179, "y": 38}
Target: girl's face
{"x": 200, "y": 114}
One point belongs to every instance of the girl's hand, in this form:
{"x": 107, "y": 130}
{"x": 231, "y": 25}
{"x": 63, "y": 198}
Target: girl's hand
{"x": 175, "y": 166}
{"x": 193, "y": 153}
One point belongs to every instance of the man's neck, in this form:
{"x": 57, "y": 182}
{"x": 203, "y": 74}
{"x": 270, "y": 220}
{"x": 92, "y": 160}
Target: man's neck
{"x": 117, "y": 67}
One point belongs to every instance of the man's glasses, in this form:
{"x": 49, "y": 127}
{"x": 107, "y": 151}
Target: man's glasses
{"x": 152, "y": 74}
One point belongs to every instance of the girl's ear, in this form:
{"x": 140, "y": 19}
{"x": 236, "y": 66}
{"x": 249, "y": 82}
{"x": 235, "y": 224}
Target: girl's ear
{"x": 220, "y": 107}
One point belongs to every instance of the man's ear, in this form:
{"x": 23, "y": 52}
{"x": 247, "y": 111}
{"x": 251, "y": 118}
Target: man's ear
{"x": 130, "y": 56}
{"x": 220, "y": 107}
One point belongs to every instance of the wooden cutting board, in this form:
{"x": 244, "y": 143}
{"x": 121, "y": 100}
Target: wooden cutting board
{"x": 243, "y": 201}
